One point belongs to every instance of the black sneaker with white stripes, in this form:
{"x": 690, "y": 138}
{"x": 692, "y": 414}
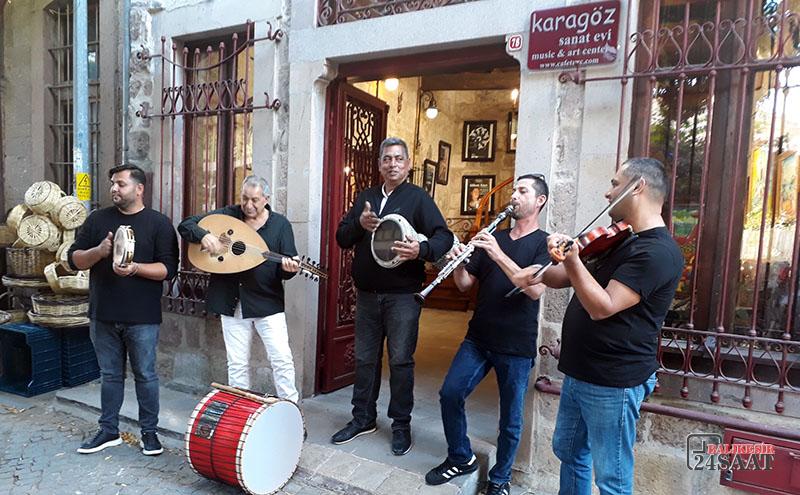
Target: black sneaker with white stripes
{"x": 498, "y": 489}
{"x": 447, "y": 470}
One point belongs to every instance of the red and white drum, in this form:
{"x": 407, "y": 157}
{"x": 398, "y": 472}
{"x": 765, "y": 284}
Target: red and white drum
{"x": 245, "y": 440}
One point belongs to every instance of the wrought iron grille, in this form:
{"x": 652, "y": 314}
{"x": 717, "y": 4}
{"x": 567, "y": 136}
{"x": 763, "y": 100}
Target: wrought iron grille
{"x": 331, "y": 12}
{"x": 60, "y": 18}
{"x": 205, "y": 133}
{"x": 715, "y": 92}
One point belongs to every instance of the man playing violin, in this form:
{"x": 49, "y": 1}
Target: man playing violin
{"x": 501, "y": 335}
{"x": 610, "y": 333}
{"x": 253, "y": 299}
{"x": 125, "y": 303}
{"x": 385, "y": 304}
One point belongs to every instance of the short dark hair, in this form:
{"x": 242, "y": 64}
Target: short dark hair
{"x": 539, "y": 184}
{"x": 653, "y": 173}
{"x": 137, "y": 173}
{"x": 392, "y": 141}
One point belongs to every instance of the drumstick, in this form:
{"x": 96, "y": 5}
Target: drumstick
{"x": 242, "y": 393}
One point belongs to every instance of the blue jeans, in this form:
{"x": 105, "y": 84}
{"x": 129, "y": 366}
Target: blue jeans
{"x": 112, "y": 341}
{"x": 470, "y": 365}
{"x": 596, "y": 426}
{"x": 394, "y": 317}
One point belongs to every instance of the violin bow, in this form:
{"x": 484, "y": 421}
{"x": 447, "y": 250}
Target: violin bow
{"x": 628, "y": 188}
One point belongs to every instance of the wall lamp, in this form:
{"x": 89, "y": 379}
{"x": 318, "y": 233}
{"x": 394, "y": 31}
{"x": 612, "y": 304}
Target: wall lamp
{"x": 426, "y": 98}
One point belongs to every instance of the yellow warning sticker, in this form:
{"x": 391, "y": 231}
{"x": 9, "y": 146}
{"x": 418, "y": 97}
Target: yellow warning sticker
{"x": 83, "y": 186}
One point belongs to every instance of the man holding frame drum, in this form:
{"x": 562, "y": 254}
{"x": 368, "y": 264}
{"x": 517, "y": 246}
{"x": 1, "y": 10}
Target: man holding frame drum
{"x": 385, "y": 304}
{"x": 252, "y": 299}
{"x": 125, "y": 303}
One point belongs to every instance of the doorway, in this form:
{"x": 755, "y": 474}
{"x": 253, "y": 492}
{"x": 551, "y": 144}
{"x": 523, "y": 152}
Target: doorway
{"x": 435, "y": 102}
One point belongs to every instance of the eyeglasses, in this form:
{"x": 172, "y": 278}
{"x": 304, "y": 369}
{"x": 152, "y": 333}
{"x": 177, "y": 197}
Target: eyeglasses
{"x": 395, "y": 158}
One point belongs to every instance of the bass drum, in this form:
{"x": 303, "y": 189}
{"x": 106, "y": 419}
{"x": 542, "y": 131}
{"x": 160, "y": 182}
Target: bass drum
{"x": 254, "y": 445}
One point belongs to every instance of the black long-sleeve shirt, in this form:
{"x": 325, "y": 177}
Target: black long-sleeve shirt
{"x": 133, "y": 300}
{"x": 259, "y": 289}
{"x": 413, "y": 203}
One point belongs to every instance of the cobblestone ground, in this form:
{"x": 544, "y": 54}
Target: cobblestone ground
{"x": 37, "y": 456}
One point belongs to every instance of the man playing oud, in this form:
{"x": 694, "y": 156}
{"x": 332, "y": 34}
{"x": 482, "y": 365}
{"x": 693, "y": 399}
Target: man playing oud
{"x": 253, "y": 299}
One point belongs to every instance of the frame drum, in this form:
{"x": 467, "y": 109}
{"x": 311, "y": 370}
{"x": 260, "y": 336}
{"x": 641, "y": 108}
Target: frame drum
{"x": 124, "y": 244}
{"x": 392, "y": 227}
{"x": 243, "y": 442}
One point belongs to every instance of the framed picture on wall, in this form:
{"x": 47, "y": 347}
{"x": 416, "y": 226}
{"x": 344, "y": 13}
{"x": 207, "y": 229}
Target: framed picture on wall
{"x": 429, "y": 173}
{"x": 473, "y": 189}
{"x": 444, "y": 163}
{"x": 511, "y": 142}
{"x": 479, "y": 140}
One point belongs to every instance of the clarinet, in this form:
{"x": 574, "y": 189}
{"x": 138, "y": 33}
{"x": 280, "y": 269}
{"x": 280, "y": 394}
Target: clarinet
{"x": 456, "y": 262}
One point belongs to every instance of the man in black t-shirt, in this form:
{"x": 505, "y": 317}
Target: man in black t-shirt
{"x": 610, "y": 333}
{"x": 125, "y": 303}
{"x": 252, "y": 300}
{"x": 502, "y": 335}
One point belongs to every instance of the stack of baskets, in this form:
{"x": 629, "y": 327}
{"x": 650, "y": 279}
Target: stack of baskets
{"x": 44, "y": 227}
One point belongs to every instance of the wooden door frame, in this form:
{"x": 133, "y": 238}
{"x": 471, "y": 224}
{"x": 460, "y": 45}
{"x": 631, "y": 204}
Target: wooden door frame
{"x": 481, "y": 57}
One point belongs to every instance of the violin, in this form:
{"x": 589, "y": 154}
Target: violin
{"x": 596, "y": 242}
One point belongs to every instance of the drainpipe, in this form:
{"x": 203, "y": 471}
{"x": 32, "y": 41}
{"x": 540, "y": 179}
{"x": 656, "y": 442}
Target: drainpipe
{"x": 125, "y": 27}
{"x": 80, "y": 103}
{"x": 2, "y": 112}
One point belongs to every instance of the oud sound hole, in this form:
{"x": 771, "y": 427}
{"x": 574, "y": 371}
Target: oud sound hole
{"x": 238, "y": 248}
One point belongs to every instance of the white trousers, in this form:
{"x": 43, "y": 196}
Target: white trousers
{"x": 237, "y": 332}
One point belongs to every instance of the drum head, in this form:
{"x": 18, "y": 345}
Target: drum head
{"x": 123, "y": 247}
{"x": 271, "y": 449}
{"x": 384, "y": 238}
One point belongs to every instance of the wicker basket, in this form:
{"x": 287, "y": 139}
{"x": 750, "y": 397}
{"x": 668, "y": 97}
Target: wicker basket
{"x": 38, "y": 231}
{"x": 16, "y": 214}
{"x": 26, "y": 283}
{"x": 61, "y": 256}
{"x": 59, "y": 305}
{"x": 68, "y": 236}
{"x": 69, "y": 213}
{"x": 27, "y": 262}
{"x": 42, "y": 196}
{"x": 52, "y": 273}
{"x": 58, "y": 321}
{"x": 75, "y": 284}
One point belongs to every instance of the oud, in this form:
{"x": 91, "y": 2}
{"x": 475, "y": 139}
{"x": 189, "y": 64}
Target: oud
{"x": 243, "y": 249}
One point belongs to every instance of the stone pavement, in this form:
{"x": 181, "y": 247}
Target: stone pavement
{"x": 37, "y": 456}
{"x": 39, "y": 435}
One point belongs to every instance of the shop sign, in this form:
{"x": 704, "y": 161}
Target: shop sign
{"x": 579, "y": 35}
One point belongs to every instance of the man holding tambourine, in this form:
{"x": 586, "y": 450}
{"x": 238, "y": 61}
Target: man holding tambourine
{"x": 385, "y": 304}
{"x": 125, "y": 300}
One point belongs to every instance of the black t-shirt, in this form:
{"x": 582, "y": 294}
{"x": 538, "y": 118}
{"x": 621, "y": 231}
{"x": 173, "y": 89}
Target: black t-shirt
{"x": 500, "y": 324}
{"x": 620, "y": 351}
{"x": 133, "y": 300}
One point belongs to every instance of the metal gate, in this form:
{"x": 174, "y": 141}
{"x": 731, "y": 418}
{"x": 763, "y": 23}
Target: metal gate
{"x": 715, "y": 89}
{"x": 205, "y": 135}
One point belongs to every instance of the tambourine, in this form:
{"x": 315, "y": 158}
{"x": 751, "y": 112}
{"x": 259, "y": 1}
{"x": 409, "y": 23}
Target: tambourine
{"x": 392, "y": 227}
{"x": 124, "y": 244}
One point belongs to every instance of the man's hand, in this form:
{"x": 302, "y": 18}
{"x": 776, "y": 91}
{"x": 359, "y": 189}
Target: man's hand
{"x": 128, "y": 270}
{"x": 487, "y": 242}
{"x": 106, "y": 246}
{"x": 406, "y": 250}
{"x": 561, "y": 248}
{"x": 290, "y": 265}
{"x": 368, "y": 219}
{"x": 211, "y": 244}
{"x": 457, "y": 251}
{"x": 524, "y": 278}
